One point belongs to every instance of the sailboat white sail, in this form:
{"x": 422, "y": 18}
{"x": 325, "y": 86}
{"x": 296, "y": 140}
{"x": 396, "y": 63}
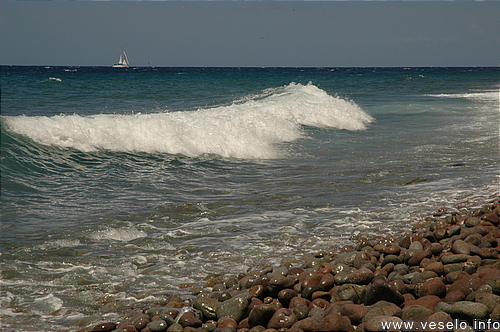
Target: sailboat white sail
{"x": 123, "y": 62}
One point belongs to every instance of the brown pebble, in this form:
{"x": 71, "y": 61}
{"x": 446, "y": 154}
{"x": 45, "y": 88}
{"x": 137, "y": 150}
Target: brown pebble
{"x": 451, "y": 259}
{"x": 261, "y": 314}
{"x": 460, "y": 247}
{"x": 285, "y": 295}
{"x": 227, "y": 322}
{"x": 466, "y": 284}
{"x": 282, "y": 318}
{"x": 256, "y": 291}
{"x": 380, "y": 272}
{"x": 436, "y": 248}
{"x": 327, "y": 281}
{"x": 282, "y": 282}
{"x": 325, "y": 270}
{"x": 299, "y": 301}
{"x": 407, "y": 240}
{"x": 335, "y": 322}
{"x": 433, "y": 286}
{"x": 355, "y": 312}
{"x": 488, "y": 253}
{"x": 306, "y": 324}
{"x": 428, "y": 301}
{"x": 319, "y": 303}
{"x": 436, "y": 267}
{"x": 189, "y": 319}
{"x": 295, "y": 271}
{"x": 361, "y": 276}
{"x": 104, "y": 327}
{"x": 415, "y": 260}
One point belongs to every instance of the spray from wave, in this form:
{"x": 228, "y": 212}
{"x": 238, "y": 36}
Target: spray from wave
{"x": 248, "y": 128}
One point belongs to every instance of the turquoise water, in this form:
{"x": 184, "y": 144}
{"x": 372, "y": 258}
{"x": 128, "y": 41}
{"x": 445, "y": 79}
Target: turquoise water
{"x": 130, "y": 182}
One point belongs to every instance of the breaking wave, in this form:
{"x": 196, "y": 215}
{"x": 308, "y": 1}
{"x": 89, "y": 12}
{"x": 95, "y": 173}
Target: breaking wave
{"x": 248, "y": 128}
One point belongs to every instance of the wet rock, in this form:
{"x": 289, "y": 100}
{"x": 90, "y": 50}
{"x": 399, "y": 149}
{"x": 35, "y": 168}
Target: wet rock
{"x": 104, "y": 327}
{"x": 175, "y": 328}
{"x": 348, "y": 292}
{"x": 282, "y": 282}
{"x": 256, "y": 291}
{"x": 219, "y": 329}
{"x": 361, "y": 276}
{"x": 159, "y": 325}
{"x": 209, "y": 325}
{"x": 301, "y": 312}
{"x": 391, "y": 250}
{"x": 346, "y": 258}
{"x": 261, "y": 314}
{"x": 235, "y": 308}
{"x": 391, "y": 259}
{"x": 279, "y": 272}
{"x": 308, "y": 291}
{"x": 327, "y": 282}
{"x": 380, "y": 290}
{"x": 308, "y": 324}
{"x": 126, "y": 328}
{"x": 285, "y": 296}
{"x": 408, "y": 240}
{"x": 282, "y": 318}
{"x": 227, "y": 322}
{"x": 207, "y": 306}
{"x": 360, "y": 258}
{"x": 139, "y": 321}
{"x": 298, "y": 301}
{"x": 321, "y": 295}
{"x": 189, "y": 319}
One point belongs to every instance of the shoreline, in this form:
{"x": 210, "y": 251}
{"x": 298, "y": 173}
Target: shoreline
{"x": 444, "y": 271}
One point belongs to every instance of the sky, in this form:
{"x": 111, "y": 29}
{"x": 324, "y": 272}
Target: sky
{"x": 247, "y": 34}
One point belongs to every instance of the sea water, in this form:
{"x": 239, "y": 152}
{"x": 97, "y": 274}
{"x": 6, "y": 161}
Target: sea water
{"x": 125, "y": 184}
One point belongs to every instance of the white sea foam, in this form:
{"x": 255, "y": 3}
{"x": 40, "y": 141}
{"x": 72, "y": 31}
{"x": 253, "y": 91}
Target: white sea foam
{"x": 482, "y": 96}
{"x": 244, "y": 129}
{"x": 124, "y": 234}
{"x": 47, "y": 303}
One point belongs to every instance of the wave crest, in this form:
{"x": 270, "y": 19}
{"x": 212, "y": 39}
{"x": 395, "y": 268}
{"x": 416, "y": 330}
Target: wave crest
{"x": 248, "y": 128}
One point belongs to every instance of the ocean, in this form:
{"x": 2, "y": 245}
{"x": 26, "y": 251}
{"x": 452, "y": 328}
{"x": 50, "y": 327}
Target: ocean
{"x": 131, "y": 184}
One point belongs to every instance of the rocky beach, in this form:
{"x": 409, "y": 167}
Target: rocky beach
{"x": 442, "y": 276}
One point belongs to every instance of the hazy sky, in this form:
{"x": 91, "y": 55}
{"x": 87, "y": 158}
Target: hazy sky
{"x": 224, "y": 33}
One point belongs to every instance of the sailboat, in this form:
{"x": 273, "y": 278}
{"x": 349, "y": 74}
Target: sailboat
{"x": 123, "y": 62}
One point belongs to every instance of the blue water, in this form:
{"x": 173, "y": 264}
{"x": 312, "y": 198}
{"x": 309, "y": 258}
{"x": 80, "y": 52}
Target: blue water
{"x": 127, "y": 183}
